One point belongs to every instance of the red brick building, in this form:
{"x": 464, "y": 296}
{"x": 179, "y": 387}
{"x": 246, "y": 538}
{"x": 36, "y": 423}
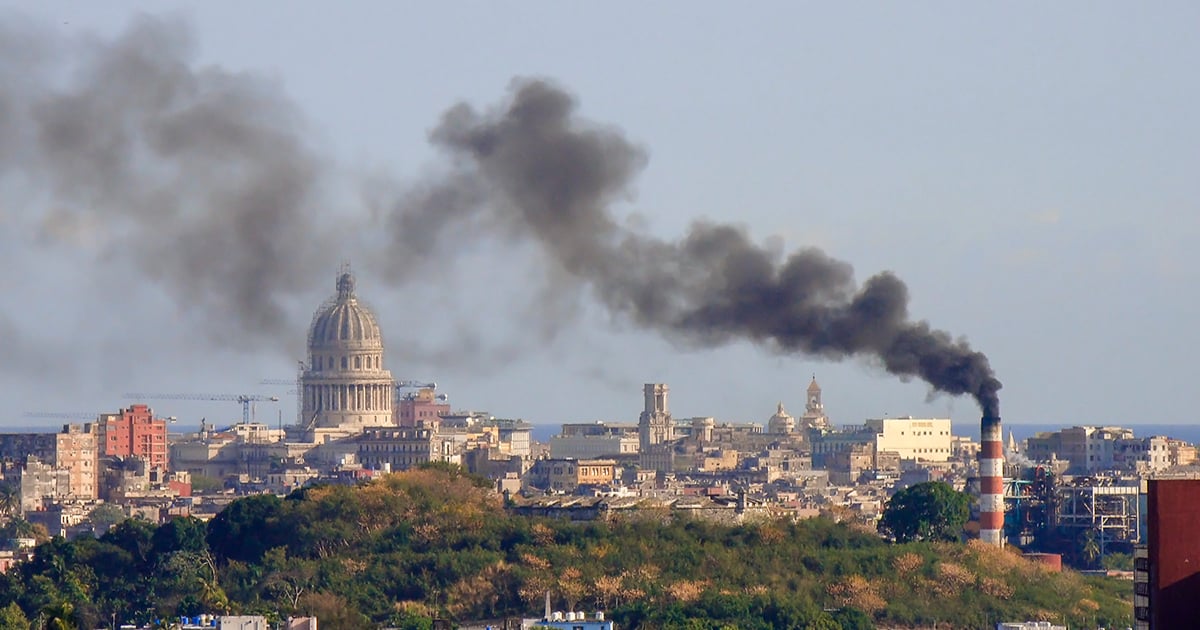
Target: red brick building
{"x": 1172, "y": 559}
{"x": 135, "y": 432}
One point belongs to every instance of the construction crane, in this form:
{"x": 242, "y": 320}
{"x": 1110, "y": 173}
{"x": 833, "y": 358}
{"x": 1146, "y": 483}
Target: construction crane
{"x": 61, "y": 415}
{"x": 415, "y": 385}
{"x": 245, "y": 399}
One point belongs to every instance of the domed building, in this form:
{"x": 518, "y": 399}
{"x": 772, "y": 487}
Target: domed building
{"x": 781, "y": 422}
{"x": 344, "y": 386}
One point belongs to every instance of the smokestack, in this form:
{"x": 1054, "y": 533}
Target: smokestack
{"x": 991, "y": 481}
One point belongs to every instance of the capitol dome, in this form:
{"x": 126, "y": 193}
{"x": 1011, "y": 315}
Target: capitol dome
{"x": 344, "y": 323}
{"x": 344, "y": 384}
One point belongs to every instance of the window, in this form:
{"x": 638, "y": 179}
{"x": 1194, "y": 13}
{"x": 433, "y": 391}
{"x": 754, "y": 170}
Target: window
{"x": 358, "y": 363}
{"x": 344, "y": 363}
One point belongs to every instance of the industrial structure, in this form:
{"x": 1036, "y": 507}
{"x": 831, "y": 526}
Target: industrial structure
{"x": 991, "y": 481}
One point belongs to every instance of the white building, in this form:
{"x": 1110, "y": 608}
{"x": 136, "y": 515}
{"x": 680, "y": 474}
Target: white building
{"x": 912, "y": 438}
{"x": 592, "y": 440}
{"x": 344, "y": 385}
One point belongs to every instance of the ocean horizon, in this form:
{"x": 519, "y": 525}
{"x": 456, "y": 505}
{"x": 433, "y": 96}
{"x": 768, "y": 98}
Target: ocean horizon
{"x": 543, "y": 432}
{"x": 1187, "y": 432}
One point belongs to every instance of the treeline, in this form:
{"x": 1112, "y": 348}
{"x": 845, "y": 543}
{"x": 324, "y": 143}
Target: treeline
{"x": 435, "y": 543}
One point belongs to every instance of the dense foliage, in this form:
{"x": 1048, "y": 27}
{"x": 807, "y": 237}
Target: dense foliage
{"x": 930, "y": 511}
{"x": 413, "y": 546}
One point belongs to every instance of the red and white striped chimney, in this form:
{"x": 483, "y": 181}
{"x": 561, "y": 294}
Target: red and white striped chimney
{"x": 991, "y": 482}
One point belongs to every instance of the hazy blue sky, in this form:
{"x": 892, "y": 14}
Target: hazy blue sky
{"x": 1029, "y": 169}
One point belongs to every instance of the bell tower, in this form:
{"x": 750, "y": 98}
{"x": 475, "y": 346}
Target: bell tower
{"x": 655, "y": 425}
{"x": 814, "y": 407}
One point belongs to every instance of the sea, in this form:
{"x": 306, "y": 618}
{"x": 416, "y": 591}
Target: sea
{"x": 1187, "y": 432}
{"x": 543, "y": 432}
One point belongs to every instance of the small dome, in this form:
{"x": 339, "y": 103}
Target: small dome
{"x": 813, "y": 387}
{"x": 344, "y": 323}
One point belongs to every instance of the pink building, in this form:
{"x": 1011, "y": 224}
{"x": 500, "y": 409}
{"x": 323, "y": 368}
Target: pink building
{"x": 135, "y": 432}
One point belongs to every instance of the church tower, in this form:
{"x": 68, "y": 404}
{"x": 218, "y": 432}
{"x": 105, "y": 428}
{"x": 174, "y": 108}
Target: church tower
{"x": 814, "y": 410}
{"x": 655, "y": 425}
{"x": 814, "y": 406}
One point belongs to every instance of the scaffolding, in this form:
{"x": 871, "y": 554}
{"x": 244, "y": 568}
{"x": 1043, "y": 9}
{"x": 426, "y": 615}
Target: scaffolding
{"x": 1112, "y": 511}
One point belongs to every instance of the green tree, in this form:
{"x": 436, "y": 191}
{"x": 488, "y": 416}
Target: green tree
{"x": 13, "y": 618}
{"x": 10, "y": 499}
{"x": 247, "y": 528}
{"x": 182, "y": 533}
{"x": 58, "y": 616}
{"x": 1089, "y": 549}
{"x": 926, "y": 511}
{"x": 17, "y": 527}
{"x": 105, "y": 515}
{"x": 205, "y": 485}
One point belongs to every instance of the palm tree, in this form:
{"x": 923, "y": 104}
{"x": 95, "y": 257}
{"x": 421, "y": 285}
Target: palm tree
{"x": 60, "y": 616}
{"x": 1089, "y": 548}
{"x": 10, "y": 499}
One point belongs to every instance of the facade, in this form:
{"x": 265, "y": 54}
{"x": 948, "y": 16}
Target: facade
{"x": 420, "y": 408}
{"x": 16, "y": 447}
{"x": 814, "y": 410}
{"x": 1089, "y": 449}
{"x": 134, "y": 432}
{"x": 40, "y": 481}
{"x": 76, "y": 452}
{"x": 655, "y": 426}
{"x": 571, "y": 621}
{"x": 656, "y": 429}
{"x": 926, "y": 439}
{"x": 781, "y": 423}
{"x": 395, "y": 449}
{"x": 1172, "y": 556}
{"x": 567, "y": 475}
{"x": 344, "y": 386}
{"x": 598, "y": 439}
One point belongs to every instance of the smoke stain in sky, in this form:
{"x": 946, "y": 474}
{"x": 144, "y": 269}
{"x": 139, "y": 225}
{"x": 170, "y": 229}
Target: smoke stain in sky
{"x": 205, "y": 179}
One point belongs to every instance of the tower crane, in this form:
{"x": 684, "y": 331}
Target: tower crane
{"x": 61, "y": 415}
{"x": 415, "y": 385}
{"x": 244, "y": 399}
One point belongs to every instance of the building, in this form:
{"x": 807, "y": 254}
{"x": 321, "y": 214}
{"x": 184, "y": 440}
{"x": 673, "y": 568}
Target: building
{"x": 16, "y": 447}
{"x": 927, "y": 439}
{"x": 76, "y": 452}
{"x": 655, "y": 426}
{"x": 134, "y": 432}
{"x": 814, "y": 410}
{"x": 570, "y": 621}
{"x": 1088, "y": 450}
{"x": 41, "y": 481}
{"x": 1170, "y": 564}
{"x": 421, "y": 408}
{"x": 344, "y": 386}
{"x": 398, "y": 448}
{"x": 595, "y": 439}
{"x": 568, "y": 475}
{"x": 656, "y": 429}
{"x": 781, "y": 423}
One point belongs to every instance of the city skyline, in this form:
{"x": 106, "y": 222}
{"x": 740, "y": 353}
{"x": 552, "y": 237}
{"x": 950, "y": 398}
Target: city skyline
{"x": 1031, "y": 189}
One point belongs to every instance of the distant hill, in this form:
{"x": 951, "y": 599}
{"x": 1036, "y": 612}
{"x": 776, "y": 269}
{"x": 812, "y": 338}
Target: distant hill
{"x": 438, "y": 543}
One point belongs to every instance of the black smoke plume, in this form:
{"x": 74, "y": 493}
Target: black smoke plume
{"x": 206, "y": 180}
{"x": 533, "y": 167}
{"x": 200, "y": 177}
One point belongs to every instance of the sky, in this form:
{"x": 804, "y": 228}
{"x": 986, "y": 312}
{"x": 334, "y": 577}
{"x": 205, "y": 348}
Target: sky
{"x": 1026, "y": 169}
